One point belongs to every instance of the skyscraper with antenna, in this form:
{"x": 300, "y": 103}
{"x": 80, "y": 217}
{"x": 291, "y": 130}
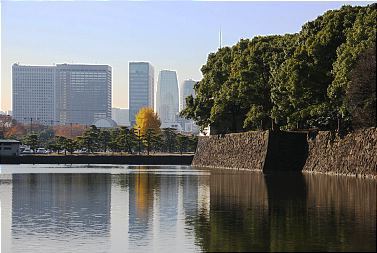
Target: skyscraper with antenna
{"x": 220, "y": 38}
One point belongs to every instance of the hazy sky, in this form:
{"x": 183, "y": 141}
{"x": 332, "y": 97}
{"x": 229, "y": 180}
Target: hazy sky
{"x": 171, "y": 35}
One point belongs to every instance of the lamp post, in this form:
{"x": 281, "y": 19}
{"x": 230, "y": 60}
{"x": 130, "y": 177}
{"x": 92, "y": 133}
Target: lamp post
{"x": 31, "y": 124}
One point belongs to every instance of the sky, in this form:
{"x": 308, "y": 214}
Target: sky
{"x": 170, "y": 35}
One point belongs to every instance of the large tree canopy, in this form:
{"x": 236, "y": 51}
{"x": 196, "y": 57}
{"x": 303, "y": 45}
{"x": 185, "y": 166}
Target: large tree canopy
{"x": 292, "y": 80}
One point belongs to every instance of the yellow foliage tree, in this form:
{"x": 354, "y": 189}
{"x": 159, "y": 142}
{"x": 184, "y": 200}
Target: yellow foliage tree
{"x": 146, "y": 119}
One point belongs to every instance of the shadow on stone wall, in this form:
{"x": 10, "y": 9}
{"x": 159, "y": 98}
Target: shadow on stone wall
{"x": 287, "y": 151}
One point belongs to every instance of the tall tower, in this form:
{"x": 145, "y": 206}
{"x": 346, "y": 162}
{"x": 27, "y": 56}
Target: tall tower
{"x": 140, "y": 88}
{"x": 187, "y": 89}
{"x": 167, "y": 96}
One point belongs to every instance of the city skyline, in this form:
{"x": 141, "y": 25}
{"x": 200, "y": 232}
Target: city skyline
{"x": 33, "y": 37}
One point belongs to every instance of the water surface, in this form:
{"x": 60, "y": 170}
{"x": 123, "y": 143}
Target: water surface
{"x": 103, "y": 208}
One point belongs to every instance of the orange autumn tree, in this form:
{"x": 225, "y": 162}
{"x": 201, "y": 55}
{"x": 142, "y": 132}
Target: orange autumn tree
{"x": 146, "y": 119}
{"x": 15, "y": 131}
{"x": 69, "y": 131}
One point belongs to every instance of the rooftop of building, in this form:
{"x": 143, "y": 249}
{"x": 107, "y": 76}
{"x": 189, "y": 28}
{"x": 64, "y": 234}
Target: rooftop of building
{"x": 63, "y": 65}
{"x": 9, "y": 141}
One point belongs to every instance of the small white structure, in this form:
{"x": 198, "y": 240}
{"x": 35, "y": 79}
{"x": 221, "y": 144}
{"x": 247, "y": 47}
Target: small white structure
{"x": 105, "y": 123}
{"x": 206, "y": 131}
{"x": 174, "y": 125}
{"x": 9, "y": 147}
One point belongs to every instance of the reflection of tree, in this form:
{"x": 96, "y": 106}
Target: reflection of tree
{"x": 287, "y": 212}
{"x": 249, "y": 212}
{"x": 321, "y": 213}
{"x": 143, "y": 194}
{"x": 122, "y": 180}
{"x": 346, "y": 209}
{"x": 237, "y": 217}
{"x": 142, "y": 185}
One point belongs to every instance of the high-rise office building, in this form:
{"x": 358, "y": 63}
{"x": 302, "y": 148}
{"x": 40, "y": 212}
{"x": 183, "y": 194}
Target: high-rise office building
{"x": 83, "y": 93}
{"x": 167, "y": 96}
{"x": 187, "y": 89}
{"x": 140, "y": 88}
{"x": 33, "y": 89}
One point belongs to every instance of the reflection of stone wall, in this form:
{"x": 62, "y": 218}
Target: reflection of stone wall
{"x": 235, "y": 189}
{"x": 346, "y": 206}
{"x": 244, "y": 151}
{"x": 356, "y": 153}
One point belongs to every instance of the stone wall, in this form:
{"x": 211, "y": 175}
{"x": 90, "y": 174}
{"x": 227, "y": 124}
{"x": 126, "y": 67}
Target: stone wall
{"x": 241, "y": 151}
{"x": 355, "y": 154}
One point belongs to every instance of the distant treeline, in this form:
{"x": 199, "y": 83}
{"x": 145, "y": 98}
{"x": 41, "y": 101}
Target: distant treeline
{"x": 323, "y": 77}
{"x": 123, "y": 139}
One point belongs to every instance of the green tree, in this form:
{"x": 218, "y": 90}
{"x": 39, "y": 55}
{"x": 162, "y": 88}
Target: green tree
{"x": 32, "y": 141}
{"x": 182, "y": 143}
{"x": 192, "y": 143}
{"x": 104, "y": 139}
{"x": 114, "y": 145}
{"x": 90, "y": 139}
{"x": 361, "y": 92}
{"x": 169, "y": 140}
{"x": 150, "y": 139}
{"x": 215, "y": 73}
{"x": 360, "y": 37}
{"x": 127, "y": 139}
{"x": 289, "y": 81}
{"x": 61, "y": 143}
{"x": 70, "y": 145}
{"x": 45, "y": 136}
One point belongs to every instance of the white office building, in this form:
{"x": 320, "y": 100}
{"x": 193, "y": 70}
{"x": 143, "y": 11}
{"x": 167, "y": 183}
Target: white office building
{"x": 33, "y": 89}
{"x": 167, "y": 96}
{"x": 140, "y": 88}
{"x": 121, "y": 116}
{"x": 83, "y": 93}
{"x": 61, "y": 94}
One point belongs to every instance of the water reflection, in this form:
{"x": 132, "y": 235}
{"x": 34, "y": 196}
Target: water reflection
{"x": 183, "y": 209}
{"x": 252, "y": 212}
{"x": 66, "y": 208}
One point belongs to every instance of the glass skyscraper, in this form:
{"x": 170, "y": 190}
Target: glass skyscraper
{"x": 187, "y": 89}
{"x": 141, "y": 88}
{"x": 167, "y": 96}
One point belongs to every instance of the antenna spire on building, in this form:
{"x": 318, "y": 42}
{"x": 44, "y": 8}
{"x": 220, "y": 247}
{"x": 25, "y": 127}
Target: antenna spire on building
{"x": 220, "y": 38}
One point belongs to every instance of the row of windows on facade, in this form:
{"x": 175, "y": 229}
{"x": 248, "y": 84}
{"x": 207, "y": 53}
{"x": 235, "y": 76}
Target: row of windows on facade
{"x": 5, "y": 148}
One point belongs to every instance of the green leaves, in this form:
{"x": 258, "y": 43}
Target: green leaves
{"x": 31, "y": 140}
{"x": 288, "y": 80}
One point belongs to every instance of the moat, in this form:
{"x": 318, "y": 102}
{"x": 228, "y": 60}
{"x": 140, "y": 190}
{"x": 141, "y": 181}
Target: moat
{"x": 119, "y": 208}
